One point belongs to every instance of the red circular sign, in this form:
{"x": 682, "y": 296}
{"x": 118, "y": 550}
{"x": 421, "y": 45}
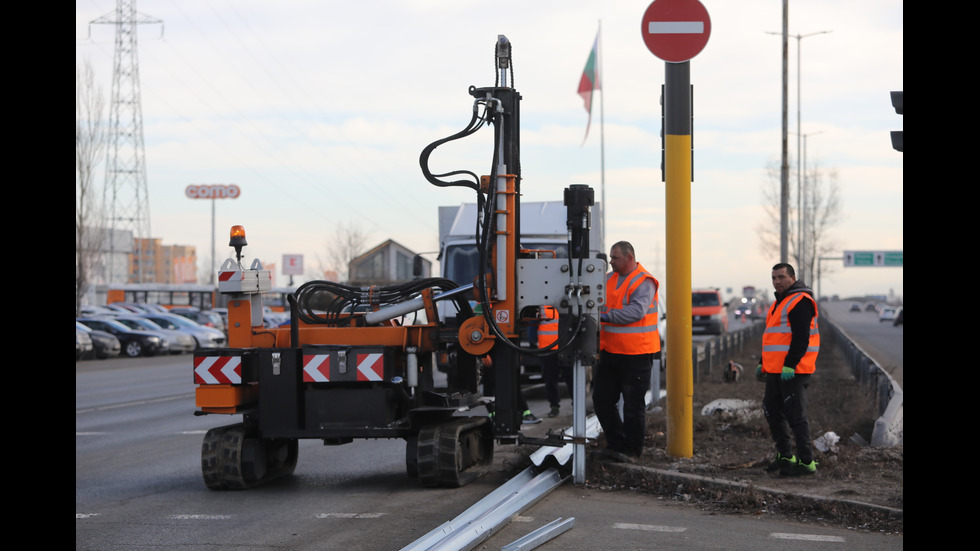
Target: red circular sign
{"x": 676, "y": 30}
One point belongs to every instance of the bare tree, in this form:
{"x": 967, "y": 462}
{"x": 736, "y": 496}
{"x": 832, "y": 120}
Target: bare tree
{"x": 822, "y": 197}
{"x": 90, "y": 145}
{"x": 347, "y": 242}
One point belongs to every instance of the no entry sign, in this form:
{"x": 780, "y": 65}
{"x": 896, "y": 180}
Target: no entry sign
{"x": 676, "y": 30}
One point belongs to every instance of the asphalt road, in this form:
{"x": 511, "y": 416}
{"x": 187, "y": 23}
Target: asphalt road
{"x": 138, "y": 486}
{"x": 881, "y": 341}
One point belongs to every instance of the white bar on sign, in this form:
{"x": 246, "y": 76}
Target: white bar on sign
{"x": 676, "y": 27}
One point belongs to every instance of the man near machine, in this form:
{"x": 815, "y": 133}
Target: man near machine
{"x": 790, "y": 346}
{"x": 629, "y": 342}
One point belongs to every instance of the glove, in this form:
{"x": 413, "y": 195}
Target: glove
{"x": 604, "y": 318}
{"x": 759, "y": 375}
{"x": 788, "y": 374}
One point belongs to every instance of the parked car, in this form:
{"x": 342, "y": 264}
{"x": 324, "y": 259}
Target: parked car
{"x": 709, "y": 314}
{"x": 207, "y": 318}
{"x": 887, "y": 313}
{"x": 105, "y": 345}
{"x": 206, "y": 337}
{"x": 92, "y": 310}
{"x": 180, "y": 341}
{"x": 134, "y": 343}
{"x": 83, "y": 344}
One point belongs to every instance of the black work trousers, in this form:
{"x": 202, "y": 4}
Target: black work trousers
{"x": 627, "y": 376}
{"x": 784, "y": 405}
{"x": 551, "y": 372}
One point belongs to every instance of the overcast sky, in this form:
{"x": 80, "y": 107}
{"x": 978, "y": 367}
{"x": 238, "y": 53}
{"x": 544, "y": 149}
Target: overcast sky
{"x": 318, "y": 110}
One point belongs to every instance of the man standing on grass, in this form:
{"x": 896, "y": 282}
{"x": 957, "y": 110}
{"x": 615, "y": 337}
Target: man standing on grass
{"x": 790, "y": 346}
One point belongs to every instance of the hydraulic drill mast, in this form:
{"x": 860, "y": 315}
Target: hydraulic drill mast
{"x": 348, "y": 366}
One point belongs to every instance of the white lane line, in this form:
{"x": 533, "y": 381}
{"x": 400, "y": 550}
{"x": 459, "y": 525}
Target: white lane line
{"x": 349, "y": 515}
{"x": 648, "y": 527}
{"x": 806, "y": 537}
{"x": 202, "y": 517}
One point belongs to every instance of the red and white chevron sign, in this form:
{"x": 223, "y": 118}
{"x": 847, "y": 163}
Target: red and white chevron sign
{"x": 316, "y": 368}
{"x": 370, "y": 367}
{"x": 217, "y": 370}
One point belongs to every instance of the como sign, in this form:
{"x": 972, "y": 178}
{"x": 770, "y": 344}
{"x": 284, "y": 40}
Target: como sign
{"x": 213, "y": 191}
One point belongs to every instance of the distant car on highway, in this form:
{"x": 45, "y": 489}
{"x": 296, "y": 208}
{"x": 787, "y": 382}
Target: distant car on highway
{"x": 887, "y": 313}
{"x": 899, "y": 317}
{"x": 855, "y": 307}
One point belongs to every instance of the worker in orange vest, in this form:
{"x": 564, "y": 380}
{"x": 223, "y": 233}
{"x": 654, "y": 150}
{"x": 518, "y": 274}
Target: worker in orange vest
{"x": 550, "y": 369}
{"x": 790, "y": 346}
{"x": 629, "y": 341}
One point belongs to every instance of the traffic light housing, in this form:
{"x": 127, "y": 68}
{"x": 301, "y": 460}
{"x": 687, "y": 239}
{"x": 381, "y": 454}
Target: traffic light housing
{"x": 897, "y": 144}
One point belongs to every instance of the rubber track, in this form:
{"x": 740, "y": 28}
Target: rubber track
{"x": 445, "y": 452}
{"x": 225, "y": 462}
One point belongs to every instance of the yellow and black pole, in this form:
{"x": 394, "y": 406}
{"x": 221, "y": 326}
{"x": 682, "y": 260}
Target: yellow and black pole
{"x": 675, "y": 31}
{"x": 677, "y": 171}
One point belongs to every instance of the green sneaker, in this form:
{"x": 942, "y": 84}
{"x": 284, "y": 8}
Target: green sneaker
{"x": 530, "y": 418}
{"x": 781, "y": 463}
{"x": 555, "y": 411}
{"x": 801, "y": 468}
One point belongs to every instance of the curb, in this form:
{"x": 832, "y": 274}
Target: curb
{"x": 676, "y": 476}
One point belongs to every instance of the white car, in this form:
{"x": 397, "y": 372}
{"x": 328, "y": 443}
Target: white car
{"x": 887, "y": 313}
{"x": 206, "y": 337}
{"x": 180, "y": 342}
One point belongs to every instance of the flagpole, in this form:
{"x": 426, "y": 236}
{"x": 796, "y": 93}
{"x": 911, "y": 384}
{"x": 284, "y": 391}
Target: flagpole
{"x": 602, "y": 141}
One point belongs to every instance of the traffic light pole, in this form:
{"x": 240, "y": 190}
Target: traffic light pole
{"x": 677, "y": 169}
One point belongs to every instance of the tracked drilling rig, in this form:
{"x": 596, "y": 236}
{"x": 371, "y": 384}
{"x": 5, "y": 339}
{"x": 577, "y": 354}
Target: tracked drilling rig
{"x": 349, "y": 366}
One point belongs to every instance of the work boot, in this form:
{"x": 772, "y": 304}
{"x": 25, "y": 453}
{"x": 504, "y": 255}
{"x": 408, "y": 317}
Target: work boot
{"x": 800, "y": 468}
{"x": 555, "y": 411}
{"x": 529, "y": 418}
{"x": 781, "y": 463}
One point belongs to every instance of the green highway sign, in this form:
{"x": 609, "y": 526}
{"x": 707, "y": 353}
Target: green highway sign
{"x": 873, "y": 258}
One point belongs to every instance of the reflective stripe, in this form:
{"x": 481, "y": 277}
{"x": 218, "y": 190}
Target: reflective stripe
{"x": 641, "y": 336}
{"x": 610, "y": 328}
{"x": 777, "y": 338}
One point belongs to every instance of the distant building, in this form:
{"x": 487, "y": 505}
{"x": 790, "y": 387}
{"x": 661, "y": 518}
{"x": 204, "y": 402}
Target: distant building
{"x": 162, "y": 263}
{"x": 386, "y": 264}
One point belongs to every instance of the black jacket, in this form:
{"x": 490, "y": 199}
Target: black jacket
{"x": 799, "y": 322}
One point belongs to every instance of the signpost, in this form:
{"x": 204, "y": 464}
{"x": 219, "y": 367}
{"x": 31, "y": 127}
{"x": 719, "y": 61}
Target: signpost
{"x": 676, "y": 31}
{"x": 873, "y": 258}
{"x": 212, "y": 191}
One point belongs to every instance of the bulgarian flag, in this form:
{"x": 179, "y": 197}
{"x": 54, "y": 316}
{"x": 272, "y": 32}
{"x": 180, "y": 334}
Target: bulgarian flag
{"x": 590, "y": 81}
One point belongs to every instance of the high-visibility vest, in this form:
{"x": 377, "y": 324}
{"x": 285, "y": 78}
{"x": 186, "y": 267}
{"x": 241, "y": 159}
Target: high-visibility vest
{"x": 779, "y": 335}
{"x": 640, "y": 337}
{"x": 548, "y": 327}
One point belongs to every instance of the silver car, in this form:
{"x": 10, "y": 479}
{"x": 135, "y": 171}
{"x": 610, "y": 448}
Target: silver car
{"x": 206, "y": 337}
{"x": 180, "y": 341}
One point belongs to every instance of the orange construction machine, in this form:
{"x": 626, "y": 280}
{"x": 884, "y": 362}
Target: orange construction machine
{"x": 358, "y": 362}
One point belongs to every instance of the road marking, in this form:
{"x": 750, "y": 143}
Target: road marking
{"x": 86, "y": 515}
{"x": 349, "y": 515}
{"x": 202, "y": 517}
{"x": 648, "y": 527}
{"x": 806, "y": 537}
{"x": 132, "y": 404}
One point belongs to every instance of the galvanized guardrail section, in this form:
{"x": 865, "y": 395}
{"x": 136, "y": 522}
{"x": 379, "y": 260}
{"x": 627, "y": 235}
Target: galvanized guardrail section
{"x": 885, "y": 391}
{"x": 711, "y": 354}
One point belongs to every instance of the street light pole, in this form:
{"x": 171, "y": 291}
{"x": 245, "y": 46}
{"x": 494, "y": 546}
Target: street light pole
{"x": 799, "y": 177}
